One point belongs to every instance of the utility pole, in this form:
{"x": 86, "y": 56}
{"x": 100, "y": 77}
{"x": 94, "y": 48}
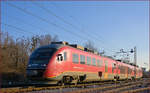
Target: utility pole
{"x": 135, "y": 60}
{"x": 135, "y": 57}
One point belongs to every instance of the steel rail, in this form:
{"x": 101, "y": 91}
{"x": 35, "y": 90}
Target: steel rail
{"x": 122, "y": 88}
{"x": 33, "y": 88}
{"x": 137, "y": 90}
{"x": 103, "y": 87}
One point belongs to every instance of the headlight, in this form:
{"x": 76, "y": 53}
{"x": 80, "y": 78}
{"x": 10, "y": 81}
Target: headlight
{"x": 29, "y": 65}
{"x": 44, "y": 65}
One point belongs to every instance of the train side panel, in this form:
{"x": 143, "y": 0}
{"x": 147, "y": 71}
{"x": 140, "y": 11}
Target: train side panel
{"x": 89, "y": 71}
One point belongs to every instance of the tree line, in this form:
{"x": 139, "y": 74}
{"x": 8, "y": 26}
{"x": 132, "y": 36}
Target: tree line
{"x": 15, "y": 54}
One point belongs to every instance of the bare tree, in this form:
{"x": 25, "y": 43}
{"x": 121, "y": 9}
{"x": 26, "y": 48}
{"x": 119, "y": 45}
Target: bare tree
{"x": 15, "y": 53}
{"x": 45, "y": 39}
{"x": 34, "y": 42}
{"x": 55, "y": 38}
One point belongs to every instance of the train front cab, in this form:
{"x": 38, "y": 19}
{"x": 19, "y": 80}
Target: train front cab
{"x": 58, "y": 65}
{"x": 38, "y": 62}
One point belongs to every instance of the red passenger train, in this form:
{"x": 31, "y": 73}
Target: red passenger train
{"x": 64, "y": 63}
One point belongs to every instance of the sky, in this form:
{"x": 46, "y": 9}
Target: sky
{"x": 111, "y": 26}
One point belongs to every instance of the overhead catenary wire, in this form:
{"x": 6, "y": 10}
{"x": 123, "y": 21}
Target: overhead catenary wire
{"x": 16, "y": 32}
{"x": 19, "y": 29}
{"x": 73, "y": 18}
{"x": 66, "y": 22}
{"x": 76, "y": 20}
{"x": 45, "y": 20}
{"x": 35, "y": 26}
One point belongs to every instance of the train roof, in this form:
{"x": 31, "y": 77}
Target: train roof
{"x": 57, "y": 46}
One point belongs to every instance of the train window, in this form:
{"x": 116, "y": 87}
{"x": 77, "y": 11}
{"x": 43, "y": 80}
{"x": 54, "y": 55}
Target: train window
{"x": 129, "y": 70}
{"x": 124, "y": 68}
{"x": 59, "y": 57}
{"x": 82, "y": 59}
{"x": 75, "y": 58}
{"x": 94, "y": 61}
{"x": 88, "y": 60}
{"x": 106, "y": 66}
{"x": 42, "y": 55}
{"x": 121, "y": 69}
{"x": 113, "y": 67}
{"x": 65, "y": 56}
{"x": 99, "y": 62}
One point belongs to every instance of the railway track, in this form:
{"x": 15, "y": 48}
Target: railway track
{"x": 92, "y": 87}
{"x": 34, "y": 88}
{"x": 128, "y": 87}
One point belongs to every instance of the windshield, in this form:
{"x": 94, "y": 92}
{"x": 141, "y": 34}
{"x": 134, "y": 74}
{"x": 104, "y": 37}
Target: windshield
{"x": 41, "y": 55}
